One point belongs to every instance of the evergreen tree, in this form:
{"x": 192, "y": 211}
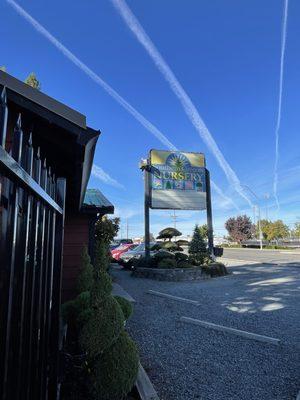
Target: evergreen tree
{"x": 197, "y": 244}
{"x": 32, "y": 81}
{"x": 86, "y": 276}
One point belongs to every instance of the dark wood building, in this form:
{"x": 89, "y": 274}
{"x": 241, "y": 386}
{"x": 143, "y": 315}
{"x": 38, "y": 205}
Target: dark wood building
{"x": 46, "y": 216}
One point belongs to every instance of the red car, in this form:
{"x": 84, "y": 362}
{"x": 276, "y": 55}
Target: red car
{"x": 115, "y": 253}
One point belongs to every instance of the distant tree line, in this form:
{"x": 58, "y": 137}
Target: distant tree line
{"x": 241, "y": 228}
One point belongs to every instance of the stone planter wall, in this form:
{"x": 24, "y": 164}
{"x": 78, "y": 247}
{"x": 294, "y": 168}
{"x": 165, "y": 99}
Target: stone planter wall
{"x": 176, "y": 274}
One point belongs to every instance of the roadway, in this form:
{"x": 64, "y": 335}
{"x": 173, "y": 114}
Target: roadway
{"x": 263, "y": 256}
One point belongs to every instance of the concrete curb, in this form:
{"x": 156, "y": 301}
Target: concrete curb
{"x": 144, "y": 386}
{"x": 171, "y": 297}
{"x": 119, "y": 291}
{"x": 238, "y": 332}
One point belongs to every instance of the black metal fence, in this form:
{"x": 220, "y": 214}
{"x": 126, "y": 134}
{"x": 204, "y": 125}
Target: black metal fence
{"x": 31, "y": 226}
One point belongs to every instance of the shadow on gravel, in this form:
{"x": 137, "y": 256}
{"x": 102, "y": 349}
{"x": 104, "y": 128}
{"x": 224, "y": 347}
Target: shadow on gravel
{"x": 267, "y": 294}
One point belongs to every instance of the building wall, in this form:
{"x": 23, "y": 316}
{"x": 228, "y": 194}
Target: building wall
{"x": 77, "y": 228}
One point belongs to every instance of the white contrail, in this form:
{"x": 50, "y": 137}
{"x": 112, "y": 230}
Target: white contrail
{"x": 220, "y": 193}
{"x": 282, "y": 54}
{"x": 96, "y": 78}
{"x": 99, "y": 173}
{"x": 187, "y": 104}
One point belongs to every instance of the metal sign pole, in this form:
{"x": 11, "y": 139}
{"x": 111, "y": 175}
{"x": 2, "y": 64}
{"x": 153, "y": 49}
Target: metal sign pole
{"x": 210, "y": 234}
{"x": 147, "y": 213}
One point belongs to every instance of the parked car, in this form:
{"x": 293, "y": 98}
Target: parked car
{"x": 138, "y": 252}
{"x": 123, "y": 248}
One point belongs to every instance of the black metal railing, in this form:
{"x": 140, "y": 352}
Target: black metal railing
{"x": 31, "y": 228}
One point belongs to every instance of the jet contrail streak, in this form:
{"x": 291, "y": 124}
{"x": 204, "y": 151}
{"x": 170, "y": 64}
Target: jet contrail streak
{"x": 187, "y": 104}
{"x": 282, "y": 55}
{"x": 96, "y": 78}
{"x": 220, "y": 193}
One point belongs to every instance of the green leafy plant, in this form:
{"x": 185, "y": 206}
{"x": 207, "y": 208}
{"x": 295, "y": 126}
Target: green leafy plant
{"x": 167, "y": 263}
{"x": 103, "y": 328}
{"x": 125, "y": 305}
{"x": 114, "y": 373}
{"x": 86, "y": 276}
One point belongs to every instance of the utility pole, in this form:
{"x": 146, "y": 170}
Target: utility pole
{"x": 127, "y": 237}
{"x": 267, "y": 196}
{"x": 259, "y": 216}
{"x": 174, "y": 217}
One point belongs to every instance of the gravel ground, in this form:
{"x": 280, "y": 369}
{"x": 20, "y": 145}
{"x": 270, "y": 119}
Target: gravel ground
{"x": 187, "y": 362}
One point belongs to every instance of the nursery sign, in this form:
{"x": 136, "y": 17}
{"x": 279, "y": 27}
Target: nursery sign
{"x": 177, "y": 180}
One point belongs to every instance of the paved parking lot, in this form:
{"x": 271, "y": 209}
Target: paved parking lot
{"x": 186, "y": 361}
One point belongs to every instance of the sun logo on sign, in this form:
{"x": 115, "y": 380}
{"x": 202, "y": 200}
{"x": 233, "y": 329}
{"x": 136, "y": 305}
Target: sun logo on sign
{"x": 177, "y": 161}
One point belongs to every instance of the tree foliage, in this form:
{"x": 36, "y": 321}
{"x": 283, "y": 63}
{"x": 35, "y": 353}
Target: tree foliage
{"x": 107, "y": 228}
{"x": 197, "y": 244}
{"x": 32, "y": 81}
{"x": 168, "y": 233}
{"x": 240, "y": 228}
{"x": 203, "y": 231}
{"x": 296, "y": 230}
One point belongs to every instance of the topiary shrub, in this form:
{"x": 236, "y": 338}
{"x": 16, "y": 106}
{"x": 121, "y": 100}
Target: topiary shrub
{"x": 101, "y": 256}
{"x": 125, "y": 305}
{"x": 215, "y": 269}
{"x": 86, "y": 275}
{"x": 114, "y": 373}
{"x": 103, "y": 328}
{"x": 181, "y": 257}
{"x": 72, "y": 310}
{"x": 197, "y": 259}
{"x": 143, "y": 263}
{"x": 184, "y": 264}
{"x": 101, "y": 289}
{"x": 160, "y": 255}
{"x": 167, "y": 263}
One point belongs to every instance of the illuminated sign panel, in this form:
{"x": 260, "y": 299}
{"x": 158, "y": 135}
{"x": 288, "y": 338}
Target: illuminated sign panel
{"x": 177, "y": 180}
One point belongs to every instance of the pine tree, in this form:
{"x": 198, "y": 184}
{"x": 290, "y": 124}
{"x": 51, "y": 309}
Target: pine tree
{"x": 32, "y": 81}
{"x": 197, "y": 244}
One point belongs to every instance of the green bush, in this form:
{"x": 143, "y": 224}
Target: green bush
{"x": 215, "y": 269}
{"x": 181, "y": 257}
{"x": 197, "y": 259}
{"x": 101, "y": 256}
{"x": 103, "y": 328}
{"x": 167, "y": 263}
{"x": 125, "y": 305}
{"x": 101, "y": 289}
{"x": 143, "y": 263}
{"x": 114, "y": 373}
{"x": 72, "y": 310}
{"x": 184, "y": 264}
{"x": 160, "y": 255}
{"x": 86, "y": 275}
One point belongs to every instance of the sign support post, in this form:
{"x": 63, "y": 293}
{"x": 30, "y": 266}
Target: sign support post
{"x": 147, "y": 210}
{"x": 210, "y": 235}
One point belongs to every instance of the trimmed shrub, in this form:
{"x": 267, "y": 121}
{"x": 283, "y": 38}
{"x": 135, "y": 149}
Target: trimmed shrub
{"x": 181, "y": 257}
{"x": 143, "y": 263}
{"x": 101, "y": 256}
{"x": 125, "y": 305}
{"x": 103, "y": 328}
{"x": 114, "y": 373}
{"x": 163, "y": 254}
{"x": 167, "y": 263}
{"x": 197, "y": 259}
{"x": 86, "y": 275}
{"x": 184, "y": 264}
{"x": 101, "y": 289}
{"x": 72, "y": 310}
{"x": 216, "y": 269}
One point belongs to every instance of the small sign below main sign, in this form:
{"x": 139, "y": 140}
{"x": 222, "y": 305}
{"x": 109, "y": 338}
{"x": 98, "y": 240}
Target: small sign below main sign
{"x": 177, "y": 180}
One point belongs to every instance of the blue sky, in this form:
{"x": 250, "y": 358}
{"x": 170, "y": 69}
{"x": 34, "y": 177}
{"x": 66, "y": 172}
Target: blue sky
{"x": 225, "y": 54}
